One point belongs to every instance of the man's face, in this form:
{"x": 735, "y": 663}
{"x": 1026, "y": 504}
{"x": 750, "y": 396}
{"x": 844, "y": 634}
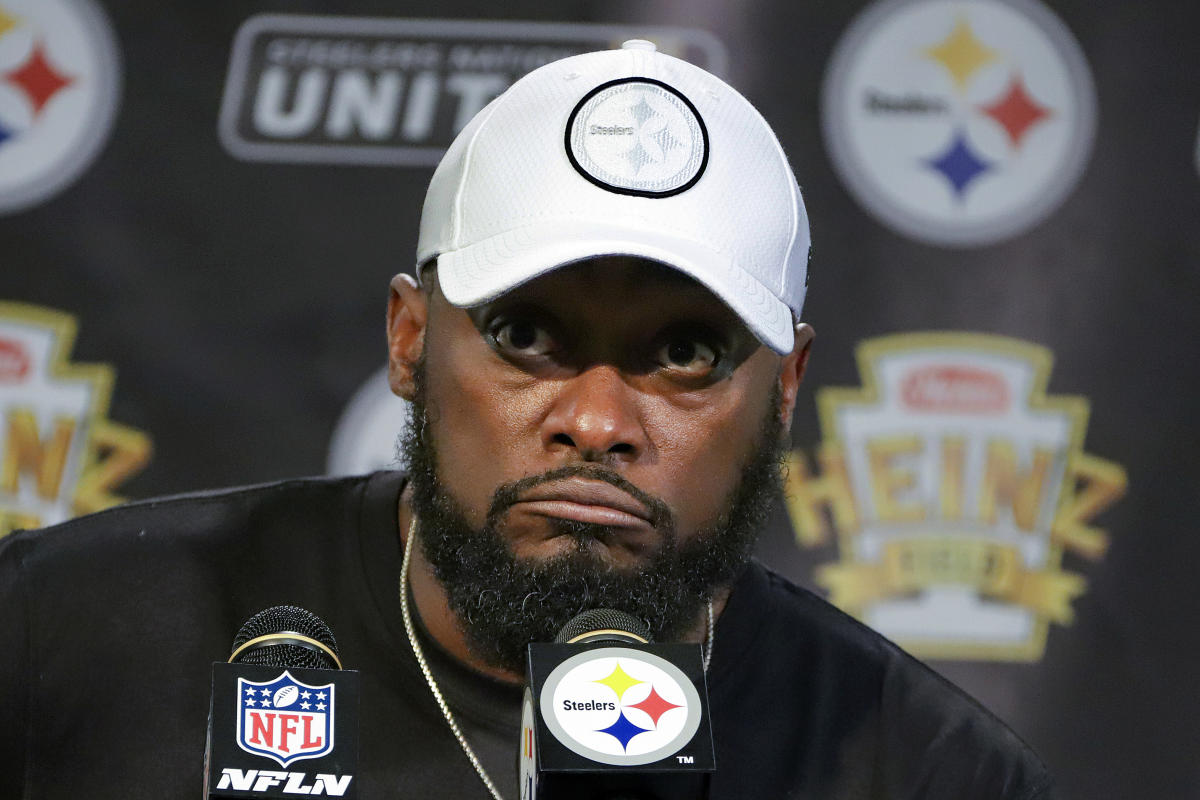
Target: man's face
{"x": 612, "y": 421}
{"x": 615, "y": 362}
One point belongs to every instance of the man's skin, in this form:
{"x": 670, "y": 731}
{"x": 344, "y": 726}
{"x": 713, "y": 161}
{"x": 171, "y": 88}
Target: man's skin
{"x": 609, "y": 362}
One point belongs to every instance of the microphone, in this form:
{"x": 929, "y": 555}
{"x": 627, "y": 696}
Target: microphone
{"x": 286, "y": 636}
{"x": 611, "y": 715}
{"x": 283, "y": 719}
{"x": 603, "y": 625}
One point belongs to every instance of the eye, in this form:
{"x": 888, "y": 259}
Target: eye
{"x": 688, "y": 355}
{"x": 521, "y": 337}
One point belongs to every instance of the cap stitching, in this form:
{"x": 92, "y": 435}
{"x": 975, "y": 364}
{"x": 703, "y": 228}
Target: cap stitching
{"x": 794, "y": 191}
{"x": 462, "y": 182}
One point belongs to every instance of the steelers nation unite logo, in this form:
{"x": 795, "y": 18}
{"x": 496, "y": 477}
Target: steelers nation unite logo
{"x": 959, "y": 123}
{"x": 59, "y": 87}
{"x": 620, "y": 706}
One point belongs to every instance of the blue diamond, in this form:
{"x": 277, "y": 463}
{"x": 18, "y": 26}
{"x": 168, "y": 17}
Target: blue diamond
{"x": 5, "y": 133}
{"x": 959, "y": 165}
{"x": 623, "y": 730}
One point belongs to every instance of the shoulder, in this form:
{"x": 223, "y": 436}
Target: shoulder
{"x": 177, "y": 574}
{"x": 178, "y": 517}
{"x": 922, "y": 735}
{"x": 792, "y": 620}
{"x": 189, "y": 543}
{"x": 157, "y": 588}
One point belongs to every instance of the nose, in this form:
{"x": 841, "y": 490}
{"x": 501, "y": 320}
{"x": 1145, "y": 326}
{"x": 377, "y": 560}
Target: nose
{"x": 596, "y": 414}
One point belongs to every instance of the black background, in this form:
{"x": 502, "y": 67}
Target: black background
{"x": 242, "y": 305}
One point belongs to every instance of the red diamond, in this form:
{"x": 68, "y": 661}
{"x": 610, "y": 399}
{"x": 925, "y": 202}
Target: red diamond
{"x": 38, "y": 79}
{"x": 654, "y": 706}
{"x": 1016, "y": 112}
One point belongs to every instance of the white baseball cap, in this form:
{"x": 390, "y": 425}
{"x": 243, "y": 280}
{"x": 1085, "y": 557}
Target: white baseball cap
{"x": 621, "y": 152}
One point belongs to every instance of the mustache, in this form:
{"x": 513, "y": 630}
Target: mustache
{"x": 506, "y": 495}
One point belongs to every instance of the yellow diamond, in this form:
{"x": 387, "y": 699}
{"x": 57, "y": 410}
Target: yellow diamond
{"x": 618, "y": 681}
{"x": 7, "y": 21}
{"x": 962, "y": 53}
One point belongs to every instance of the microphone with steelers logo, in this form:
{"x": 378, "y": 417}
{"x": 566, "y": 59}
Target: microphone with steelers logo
{"x": 610, "y": 715}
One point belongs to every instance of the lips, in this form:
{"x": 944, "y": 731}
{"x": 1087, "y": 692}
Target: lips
{"x": 585, "y": 501}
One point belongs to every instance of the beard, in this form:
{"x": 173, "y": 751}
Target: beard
{"x": 502, "y": 602}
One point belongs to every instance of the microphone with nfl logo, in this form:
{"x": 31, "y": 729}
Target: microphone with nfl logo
{"x": 284, "y": 714}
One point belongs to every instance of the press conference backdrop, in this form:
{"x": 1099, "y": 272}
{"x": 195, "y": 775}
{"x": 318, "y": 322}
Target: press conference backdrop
{"x": 995, "y": 461}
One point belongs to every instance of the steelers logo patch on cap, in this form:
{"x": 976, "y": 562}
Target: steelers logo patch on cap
{"x": 638, "y": 136}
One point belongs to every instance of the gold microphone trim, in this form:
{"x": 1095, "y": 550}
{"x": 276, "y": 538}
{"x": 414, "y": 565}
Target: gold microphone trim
{"x": 617, "y": 631}
{"x": 288, "y": 637}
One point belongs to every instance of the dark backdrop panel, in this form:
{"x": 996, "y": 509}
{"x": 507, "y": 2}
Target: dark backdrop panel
{"x": 240, "y": 303}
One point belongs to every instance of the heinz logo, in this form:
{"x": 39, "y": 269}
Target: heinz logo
{"x": 955, "y": 389}
{"x": 955, "y": 485}
{"x": 14, "y": 361}
{"x": 284, "y": 719}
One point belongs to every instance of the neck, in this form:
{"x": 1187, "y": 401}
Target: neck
{"x": 440, "y": 621}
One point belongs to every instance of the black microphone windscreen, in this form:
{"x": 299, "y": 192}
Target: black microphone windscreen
{"x": 288, "y": 654}
{"x": 601, "y": 619}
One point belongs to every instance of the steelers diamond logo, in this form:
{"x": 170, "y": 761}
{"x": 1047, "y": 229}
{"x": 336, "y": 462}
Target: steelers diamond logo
{"x": 620, "y": 706}
{"x": 959, "y": 124}
{"x": 638, "y": 136}
{"x": 59, "y": 86}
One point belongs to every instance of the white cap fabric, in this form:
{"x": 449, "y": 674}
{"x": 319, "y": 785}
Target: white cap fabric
{"x": 622, "y": 152}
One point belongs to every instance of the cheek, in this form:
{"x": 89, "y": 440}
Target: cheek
{"x": 483, "y": 430}
{"x": 702, "y": 451}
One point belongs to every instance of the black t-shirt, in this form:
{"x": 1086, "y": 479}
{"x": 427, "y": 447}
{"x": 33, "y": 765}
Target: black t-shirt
{"x": 110, "y": 623}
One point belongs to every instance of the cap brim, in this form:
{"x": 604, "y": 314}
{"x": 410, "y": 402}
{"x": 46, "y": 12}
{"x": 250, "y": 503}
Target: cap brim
{"x": 487, "y": 269}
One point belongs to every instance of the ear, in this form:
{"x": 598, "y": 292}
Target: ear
{"x": 407, "y": 313}
{"x": 791, "y": 373}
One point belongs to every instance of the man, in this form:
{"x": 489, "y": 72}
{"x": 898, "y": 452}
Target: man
{"x": 603, "y": 354}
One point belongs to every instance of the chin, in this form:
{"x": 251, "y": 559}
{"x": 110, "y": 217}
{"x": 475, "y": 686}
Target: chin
{"x": 569, "y": 539}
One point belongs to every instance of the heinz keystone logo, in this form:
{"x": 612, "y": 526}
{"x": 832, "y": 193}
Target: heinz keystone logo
{"x": 357, "y": 90}
{"x": 959, "y": 123}
{"x": 59, "y": 454}
{"x": 955, "y": 486}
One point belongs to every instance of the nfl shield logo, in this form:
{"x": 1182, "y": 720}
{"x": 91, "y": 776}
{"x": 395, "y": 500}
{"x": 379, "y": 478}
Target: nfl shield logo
{"x": 285, "y": 719}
